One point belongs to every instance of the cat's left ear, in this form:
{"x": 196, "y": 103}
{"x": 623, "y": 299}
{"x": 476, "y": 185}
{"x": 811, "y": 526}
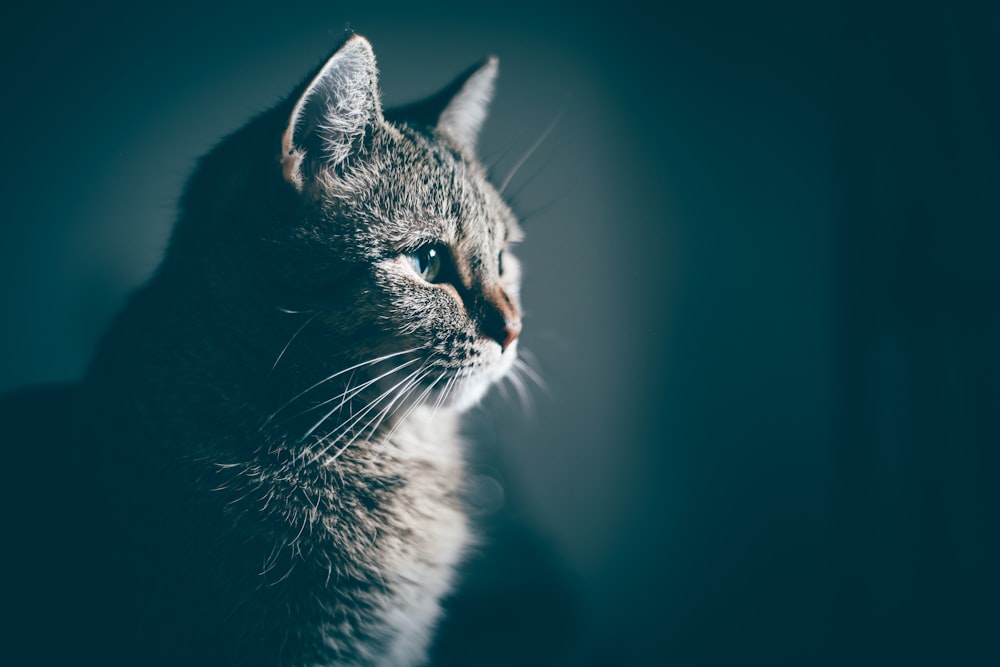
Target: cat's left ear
{"x": 331, "y": 118}
{"x": 468, "y": 101}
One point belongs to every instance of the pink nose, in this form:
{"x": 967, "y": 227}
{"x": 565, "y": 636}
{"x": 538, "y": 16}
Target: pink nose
{"x": 498, "y": 317}
{"x": 511, "y": 330}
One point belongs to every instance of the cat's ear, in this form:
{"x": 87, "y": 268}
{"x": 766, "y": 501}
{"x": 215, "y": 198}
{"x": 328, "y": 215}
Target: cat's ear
{"x": 468, "y": 99}
{"x": 338, "y": 107}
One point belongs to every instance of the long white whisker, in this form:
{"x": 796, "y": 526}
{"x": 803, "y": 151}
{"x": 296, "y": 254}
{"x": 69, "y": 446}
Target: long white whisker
{"x": 502, "y": 388}
{"x": 525, "y": 361}
{"x": 523, "y": 395}
{"x": 450, "y": 389}
{"x": 285, "y": 349}
{"x": 331, "y": 437}
{"x": 355, "y": 393}
{"x": 530, "y": 151}
{"x": 400, "y": 400}
{"x": 350, "y": 392}
{"x": 444, "y": 395}
{"x": 354, "y": 420}
{"x": 413, "y": 405}
{"x": 331, "y": 377}
{"x": 540, "y": 169}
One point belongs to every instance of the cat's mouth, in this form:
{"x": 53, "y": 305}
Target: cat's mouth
{"x": 464, "y": 386}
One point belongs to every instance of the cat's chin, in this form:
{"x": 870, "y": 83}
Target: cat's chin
{"x": 467, "y": 393}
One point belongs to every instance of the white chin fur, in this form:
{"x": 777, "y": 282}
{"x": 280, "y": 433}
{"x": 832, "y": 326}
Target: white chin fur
{"x": 468, "y": 391}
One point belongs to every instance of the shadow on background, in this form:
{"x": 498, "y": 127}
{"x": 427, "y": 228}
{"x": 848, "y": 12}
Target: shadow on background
{"x": 761, "y": 288}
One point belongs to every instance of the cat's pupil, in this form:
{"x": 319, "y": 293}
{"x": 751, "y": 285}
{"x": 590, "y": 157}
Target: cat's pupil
{"x": 427, "y": 261}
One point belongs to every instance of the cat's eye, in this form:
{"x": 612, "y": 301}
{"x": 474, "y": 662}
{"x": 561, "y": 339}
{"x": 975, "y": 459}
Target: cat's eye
{"x": 427, "y": 261}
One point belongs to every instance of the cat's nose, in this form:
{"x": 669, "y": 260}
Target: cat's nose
{"x": 501, "y": 321}
{"x": 511, "y": 330}
{"x": 504, "y": 332}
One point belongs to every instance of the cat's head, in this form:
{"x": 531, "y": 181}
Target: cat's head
{"x": 384, "y": 274}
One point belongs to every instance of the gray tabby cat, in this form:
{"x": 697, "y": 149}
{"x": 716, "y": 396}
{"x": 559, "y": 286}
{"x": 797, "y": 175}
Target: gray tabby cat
{"x": 263, "y": 460}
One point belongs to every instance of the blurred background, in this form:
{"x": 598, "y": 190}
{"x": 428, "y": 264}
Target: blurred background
{"x": 761, "y": 285}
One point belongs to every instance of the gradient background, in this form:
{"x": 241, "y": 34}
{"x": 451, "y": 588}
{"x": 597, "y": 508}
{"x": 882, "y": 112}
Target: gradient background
{"x": 760, "y": 284}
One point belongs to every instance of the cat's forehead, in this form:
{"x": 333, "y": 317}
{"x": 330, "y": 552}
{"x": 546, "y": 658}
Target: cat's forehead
{"x": 416, "y": 190}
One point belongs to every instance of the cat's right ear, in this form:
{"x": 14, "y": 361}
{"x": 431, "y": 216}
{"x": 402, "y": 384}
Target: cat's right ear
{"x": 330, "y": 119}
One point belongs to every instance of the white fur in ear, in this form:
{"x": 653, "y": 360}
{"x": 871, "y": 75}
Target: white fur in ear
{"x": 333, "y": 113}
{"x": 463, "y": 117}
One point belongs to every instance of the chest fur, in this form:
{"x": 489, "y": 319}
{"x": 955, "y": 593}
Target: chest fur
{"x": 361, "y": 554}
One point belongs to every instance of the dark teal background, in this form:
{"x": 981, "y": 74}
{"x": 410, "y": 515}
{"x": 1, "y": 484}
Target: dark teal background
{"x": 761, "y": 284}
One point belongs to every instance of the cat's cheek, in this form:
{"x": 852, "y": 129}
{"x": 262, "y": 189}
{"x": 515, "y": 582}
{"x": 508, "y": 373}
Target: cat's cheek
{"x": 450, "y": 323}
{"x": 511, "y": 277}
{"x": 455, "y": 306}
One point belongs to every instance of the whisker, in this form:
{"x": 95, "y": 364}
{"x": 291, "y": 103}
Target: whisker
{"x": 525, "y": 361}
{"x": 451, "y": 389}
{"x": 493, "y": 161}
{"x": 400, "y": 399}
{"x": 502, "y": 388}
{"x": 337, "y": 374}
{"x": 414, "y": 404}
{"x": 541, "y": 169}
{"x": 379, "y": 417}
{"x": 444, "y": 395}
{"x": 350, "y": 392}
{"x": 355, "y": 393}
{"x": 531, "y": 150}
{"x": 285, "y": 349}
{"x": 354, "y": 420}
{"x": 521, "y": 389}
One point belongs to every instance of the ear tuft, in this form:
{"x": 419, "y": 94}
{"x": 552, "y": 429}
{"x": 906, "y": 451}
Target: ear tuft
{"x": 464, "y": 115}
{"x": 331, "y": 117}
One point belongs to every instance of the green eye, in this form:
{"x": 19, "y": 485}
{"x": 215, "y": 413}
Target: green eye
{"x": 427, "y": 262}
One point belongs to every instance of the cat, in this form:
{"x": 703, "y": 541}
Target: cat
{"x": 262, "y": 464}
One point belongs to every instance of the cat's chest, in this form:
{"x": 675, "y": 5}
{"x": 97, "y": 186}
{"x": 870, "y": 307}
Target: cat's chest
{"x": 399, "y": 520}
{"x": 377, "y": 543}
{"x": 409, "y": 556}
